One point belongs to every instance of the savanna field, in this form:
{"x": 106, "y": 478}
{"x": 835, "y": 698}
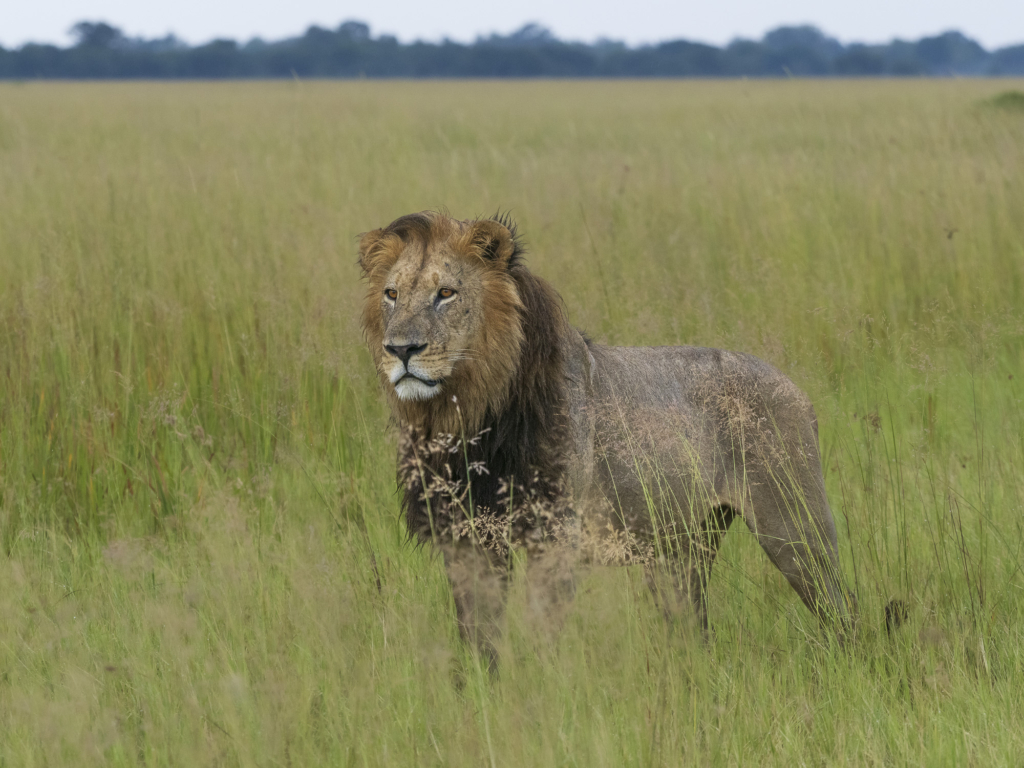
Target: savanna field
{"x": 201, "y": 552}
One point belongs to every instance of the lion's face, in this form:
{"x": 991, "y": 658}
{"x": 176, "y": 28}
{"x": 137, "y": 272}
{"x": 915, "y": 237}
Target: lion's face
{"x": 441, "y": 313}
{"x": 430, "y": 307}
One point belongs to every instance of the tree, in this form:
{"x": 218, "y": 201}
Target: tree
{"x": 96, "y": 34}
{"x": 355, "y": 31}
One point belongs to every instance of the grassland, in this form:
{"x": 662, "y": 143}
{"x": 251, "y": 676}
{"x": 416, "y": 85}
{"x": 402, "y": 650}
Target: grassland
{"x": 200, "y": 549}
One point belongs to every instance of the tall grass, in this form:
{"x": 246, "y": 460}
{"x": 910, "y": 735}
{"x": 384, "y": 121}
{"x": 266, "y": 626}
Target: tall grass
{"x": 201, "y": 549}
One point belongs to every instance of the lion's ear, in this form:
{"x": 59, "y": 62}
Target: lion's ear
{"x": 369, "y": 250}
{"x": 492, "y": 241}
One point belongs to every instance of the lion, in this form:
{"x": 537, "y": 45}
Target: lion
{"x": 519, "y": 431}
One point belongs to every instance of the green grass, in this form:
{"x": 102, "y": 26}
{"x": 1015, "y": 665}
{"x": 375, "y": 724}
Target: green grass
{"x": 202, "y": 556}
{"x": 1009, "y": 100}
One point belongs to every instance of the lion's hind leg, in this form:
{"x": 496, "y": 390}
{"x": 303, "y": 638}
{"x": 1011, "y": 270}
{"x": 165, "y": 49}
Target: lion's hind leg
{"x": 792, "y": 521}
{"x": 679, "y": 576}
{"x": 813, "y": 572}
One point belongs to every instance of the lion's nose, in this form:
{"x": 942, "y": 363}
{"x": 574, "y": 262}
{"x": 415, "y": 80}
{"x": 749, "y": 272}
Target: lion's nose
{"x": 405, "y": 351}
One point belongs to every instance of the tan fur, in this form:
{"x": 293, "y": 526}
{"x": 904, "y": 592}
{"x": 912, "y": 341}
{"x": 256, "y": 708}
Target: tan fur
{"x": 653, "y": 450}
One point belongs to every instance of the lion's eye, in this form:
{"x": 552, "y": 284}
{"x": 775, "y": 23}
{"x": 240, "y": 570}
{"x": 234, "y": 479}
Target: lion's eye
{"x": 391, "y": 293}
{"x": 446, "y": 293}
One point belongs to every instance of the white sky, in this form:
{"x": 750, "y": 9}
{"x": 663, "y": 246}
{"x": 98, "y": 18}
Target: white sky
{"x": 993, "y": 23}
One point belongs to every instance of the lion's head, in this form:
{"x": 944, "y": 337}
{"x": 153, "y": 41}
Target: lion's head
{"x": 443, "y": 316}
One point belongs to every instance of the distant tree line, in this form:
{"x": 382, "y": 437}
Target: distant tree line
{"x": 103, "y": 51}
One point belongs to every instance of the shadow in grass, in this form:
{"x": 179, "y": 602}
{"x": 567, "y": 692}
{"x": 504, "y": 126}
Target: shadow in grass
{"x": 1010, "y": 101}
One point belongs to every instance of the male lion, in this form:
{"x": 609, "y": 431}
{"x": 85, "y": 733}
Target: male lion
{"x": 519, "y": 431}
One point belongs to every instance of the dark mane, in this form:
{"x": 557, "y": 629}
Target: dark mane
{"x": 523, "y": 446}
{"x": 414, "y": 225}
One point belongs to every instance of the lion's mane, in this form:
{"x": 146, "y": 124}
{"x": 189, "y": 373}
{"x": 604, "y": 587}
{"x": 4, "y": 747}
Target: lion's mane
{"x": 500, "y": 432}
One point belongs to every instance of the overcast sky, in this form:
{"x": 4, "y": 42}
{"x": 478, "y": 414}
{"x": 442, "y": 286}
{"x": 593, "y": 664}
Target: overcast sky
{"x": 993, "y": 23}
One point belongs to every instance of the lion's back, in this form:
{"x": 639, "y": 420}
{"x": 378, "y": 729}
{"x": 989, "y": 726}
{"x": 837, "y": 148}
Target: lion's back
{"x": 692, "y": 380}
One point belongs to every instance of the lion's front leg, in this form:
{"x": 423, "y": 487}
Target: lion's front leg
{"x": 550, "y": 582}
{"x": 479, "y": 580}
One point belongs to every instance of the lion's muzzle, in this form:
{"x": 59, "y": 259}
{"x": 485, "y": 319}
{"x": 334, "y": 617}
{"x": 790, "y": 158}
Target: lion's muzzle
{"x": 410, "y": 379}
